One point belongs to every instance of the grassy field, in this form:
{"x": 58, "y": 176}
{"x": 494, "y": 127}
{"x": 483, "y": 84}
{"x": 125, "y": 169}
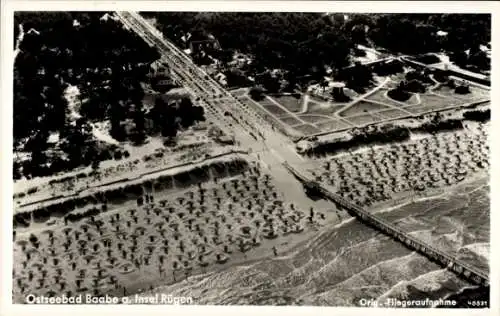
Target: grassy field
{"x": 290, "y": 120}
{"x": 276, "y": 110}
{"x": 238, "y": 92}
{"x": 307, "y": 129}
{"x": 362, "y": 119}
{"x": 475, "y": 95}
{"x": 390, "y": 114}
{"x": 419, "y": 109}
{"x": 379, "y": 96}
{"x": 436, "y": 101}
{"x": 291, "y": 103}
{"x": 333, "y": 125}
{"x": 362, "y": 107}
{"x": 313, "y": 118}
{"x": 324, "y": 108}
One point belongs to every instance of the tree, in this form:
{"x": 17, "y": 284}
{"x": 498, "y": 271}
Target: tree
{"x": 270, "y": 83}
{"x": 257, "y": 93}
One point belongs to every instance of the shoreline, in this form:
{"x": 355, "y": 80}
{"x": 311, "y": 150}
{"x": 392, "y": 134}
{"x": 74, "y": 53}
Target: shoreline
{"x": 291, "y": 249}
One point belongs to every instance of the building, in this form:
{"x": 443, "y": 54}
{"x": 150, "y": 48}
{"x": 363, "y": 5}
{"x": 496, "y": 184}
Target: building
{"x": 197, "y": 47}
{"x": 221, "y": 78}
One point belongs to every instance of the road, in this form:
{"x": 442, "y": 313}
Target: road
{"x": 250, "y": 130}
{"x": 208, "y": 93}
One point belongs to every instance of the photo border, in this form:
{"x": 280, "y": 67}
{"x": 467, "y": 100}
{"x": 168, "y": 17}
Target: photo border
{"x": 9, "y": 6}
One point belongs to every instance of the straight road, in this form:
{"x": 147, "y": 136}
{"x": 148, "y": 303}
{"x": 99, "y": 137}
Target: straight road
{"x": 252, "y": 132}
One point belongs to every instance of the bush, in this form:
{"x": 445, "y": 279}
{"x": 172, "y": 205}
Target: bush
{"x": 389, "y": 68}
{"x": 451, "y": 83}
{"x": 441, "y": 76}
{"x": 480, "y": 116}
{"x": 462, "y": 89}
{"x": 118, "y": 155}
{"x": 32, "y": 190}
{"x": 399, "y": 95}
{"x": 429, "y": 59}
{"x": 33, "y": 239}
{"x": 415, "y": 86}
{"x": 257, "y": 93}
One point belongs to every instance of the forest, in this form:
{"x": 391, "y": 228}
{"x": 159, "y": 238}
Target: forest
{"x": 304, "y": 43}
{"x": 107, "y": 63}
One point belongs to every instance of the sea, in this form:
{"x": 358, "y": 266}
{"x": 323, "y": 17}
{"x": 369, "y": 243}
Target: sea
{"x": 350, "y": 264}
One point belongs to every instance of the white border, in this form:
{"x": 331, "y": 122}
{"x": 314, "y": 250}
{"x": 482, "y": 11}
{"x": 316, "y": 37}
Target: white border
{"x": 9, "y": 6}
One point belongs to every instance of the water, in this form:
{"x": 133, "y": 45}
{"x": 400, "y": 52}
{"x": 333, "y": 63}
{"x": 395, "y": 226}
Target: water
{"x": 350, "y": 264}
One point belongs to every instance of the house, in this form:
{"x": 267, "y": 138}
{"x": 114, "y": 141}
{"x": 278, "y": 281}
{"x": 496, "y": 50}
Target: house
{"x": 209, "y": 44}
{"x": 53, "y": 138}
{"x": 107, "y": 16}
{"x": 221, "y": 78}
{"x": 159, "y": 68}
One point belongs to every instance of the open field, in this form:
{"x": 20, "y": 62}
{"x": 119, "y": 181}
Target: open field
{"x": 164, "y": 237}
{"x": 419, "y": 109}
{"x": 290, "y": 120}
{"x": 436, "y": 101}
{"x": 476, "y": 94}
{"x": 362, "y": 119}
{"x": 333, "y": 125}
{"x": 380, "y": 96}
{"x": 276, "y": 110}
{"x": 373, "y": 109}
{"x": 311, "y": 118}
{"x": 325, "y": 108}
{"x": 239, "y": 92}
{"x": 273, "y": 108}
{"x": 390, "y": 114}
{"x": 307, "y": 129}
{"x": 362, "y": 107}
{"x": 291, "y": 103}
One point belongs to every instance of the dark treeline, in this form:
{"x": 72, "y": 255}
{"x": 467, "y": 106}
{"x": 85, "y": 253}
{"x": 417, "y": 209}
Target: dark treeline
{"x": 300, "y": 42}
{"x": 128, "y": 192}
{"x": 106, "y": 63}
{"x": 362, "y": 137}
{"x": 478, "y": 115}
{"x": 372, "y": 135}
{"x": 305, "y": 45}
{"x": 417, "y": 33}
{"x": 438, "y": 126}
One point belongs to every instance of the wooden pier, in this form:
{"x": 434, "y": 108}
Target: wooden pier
{"x": 453, "y": 264}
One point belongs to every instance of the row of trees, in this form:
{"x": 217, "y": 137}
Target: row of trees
{"x": 478, "y": 115}
{"x": 362, "y": 137}
{"x": 129, "y": 191}
{"x": 390, "y": 133}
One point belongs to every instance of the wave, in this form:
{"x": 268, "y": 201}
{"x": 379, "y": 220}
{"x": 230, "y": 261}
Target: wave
{"x": 480, "y": 249}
